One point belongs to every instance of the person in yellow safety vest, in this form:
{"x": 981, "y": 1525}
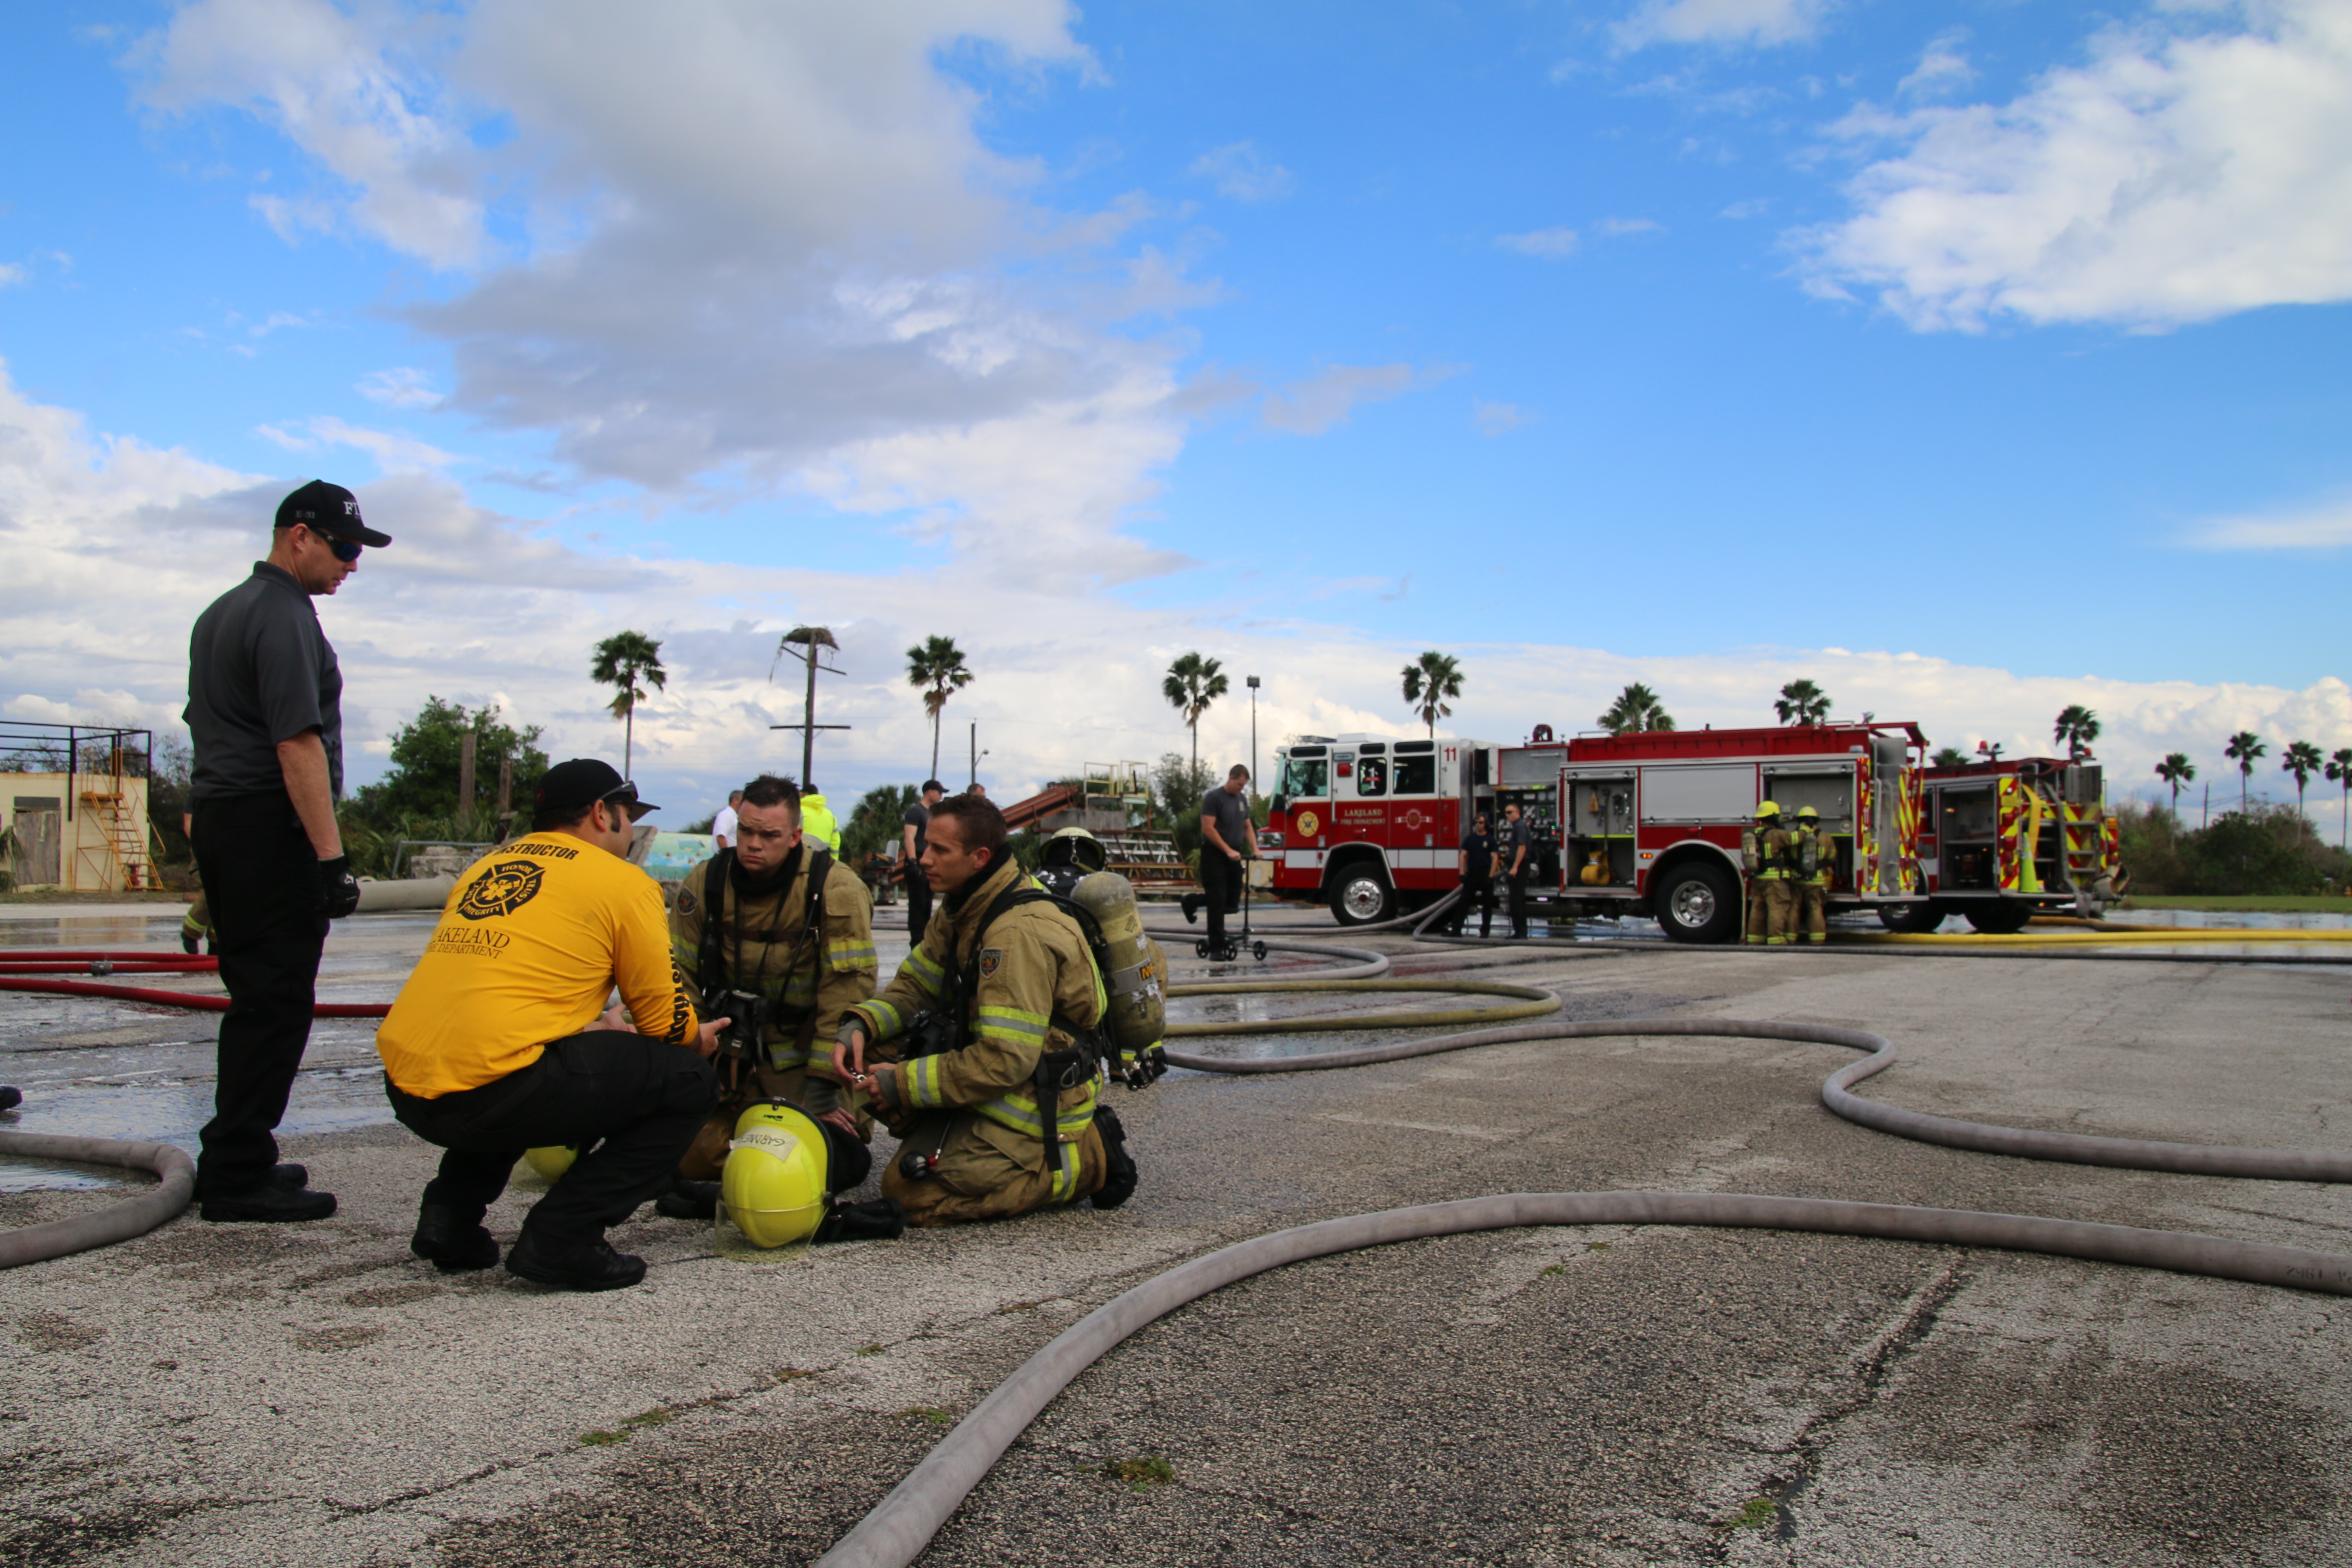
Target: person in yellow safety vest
{"x": 817, "y": 821}
{"x": 1771, "y": 899}
{"x": 994, "y": 1100}
{"x": 1813, "y": 892}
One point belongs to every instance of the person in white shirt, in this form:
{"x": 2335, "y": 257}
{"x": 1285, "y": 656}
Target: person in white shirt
{"x": 722, "y": 826}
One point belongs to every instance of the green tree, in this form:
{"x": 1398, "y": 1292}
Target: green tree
{"x": 1178, "y": 787}
{"x": 2245, "y": 749}
{"x": 2303, "y": 760}
{"x": 936, "y": 665}
{"x": 1192, "y": 683}
{"x": 2175, "y": 770}
{"x": 874, "y": 821}
{"x": 1637, "y": 709}
{"x": 1801, "y": 702}
{"x": 425, "y": 763}
{"x": 2076, "y": 728}
{"x": 621, "y": 661}
{"x": 1429, "y": 681}
{"x": 2339, "y": 771}
{"x": 1948, "y": 757}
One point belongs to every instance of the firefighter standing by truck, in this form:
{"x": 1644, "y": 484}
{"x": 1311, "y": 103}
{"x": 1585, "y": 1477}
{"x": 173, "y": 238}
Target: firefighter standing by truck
{"x": 740, "y": 935}
{"x": 995, "y": 1102}
{"x": 1816, "y": 860}
{"x": 1768, "y": 854}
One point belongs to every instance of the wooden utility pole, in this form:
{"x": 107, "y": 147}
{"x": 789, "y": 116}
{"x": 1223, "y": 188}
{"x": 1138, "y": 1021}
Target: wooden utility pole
{"x": 810, "y": 639}
{"x": 466, "y": 744}
{"x": 506, "y": 798}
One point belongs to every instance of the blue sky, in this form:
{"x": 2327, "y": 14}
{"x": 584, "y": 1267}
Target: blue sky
{"x": 1972, "y": 358}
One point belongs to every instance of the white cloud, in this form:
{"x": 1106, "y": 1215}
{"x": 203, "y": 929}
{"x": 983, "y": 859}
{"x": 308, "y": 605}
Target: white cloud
{"x": 1720, "y": 22}
{"x": 1751, "y": 206}
{"x": 1619, "y": 227}
{"x": 394, "y": 452}
{"x": 1547, "y": 243}
{"x": 2189, "y": 170}
{"x": 1942, "y": 69}
{"x": 401, "y": 386}
{"x": 1498, "y": 418}
{"x": 2326, "y": 526}
{"x": 11, "y": 274}
{"x": 1311, "y": 406}
{"x": 1240, "y": 170}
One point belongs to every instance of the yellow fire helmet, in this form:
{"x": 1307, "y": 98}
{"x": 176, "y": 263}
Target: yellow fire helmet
{"x": 1765, "y": 808}
{"x": 773, "y": 1180}
{"x": 551, "y": 1162}
{"x": 1807, "y": 814}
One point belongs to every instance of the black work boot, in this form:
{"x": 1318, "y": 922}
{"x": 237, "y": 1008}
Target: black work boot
{"x": 448, "y": 1243}
{"x": 575, "y": 1265}
{"x": 689, "y": 1200}
{"x": 879, "y": 1219}
{"x": 1118, "y": 1165}
{"x": 268, "y": 1204}
{"x": 1191, "y": 904}
{"x": 296, "y": 1176}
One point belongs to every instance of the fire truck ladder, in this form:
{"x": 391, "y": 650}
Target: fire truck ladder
{"x": 2079, "y": 832}
{"x": 124, "y": 837}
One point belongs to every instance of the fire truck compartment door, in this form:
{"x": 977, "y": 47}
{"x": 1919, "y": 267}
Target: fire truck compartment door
{"x": 1887, "y": 756}
{"x": 1829, "y": 790}
{"x": 1710, "y": 792}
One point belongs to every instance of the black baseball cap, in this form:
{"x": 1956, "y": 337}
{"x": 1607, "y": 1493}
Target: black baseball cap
{"x": 323, "y": 507}
{"x": 576, "y": 785}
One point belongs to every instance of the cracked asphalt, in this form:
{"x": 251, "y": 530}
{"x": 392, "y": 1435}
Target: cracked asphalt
{"x": 311, "y": 1395}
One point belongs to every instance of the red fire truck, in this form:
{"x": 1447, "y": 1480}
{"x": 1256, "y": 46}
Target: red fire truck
{"x": 1643, "y": 823}
{"x": 2003, "y": 837}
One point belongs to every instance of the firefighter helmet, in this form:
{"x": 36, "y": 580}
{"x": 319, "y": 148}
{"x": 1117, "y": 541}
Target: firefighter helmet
{"x": 774, "y": 1179}
{"x": 1807, "y": 814}
{"x": 1075, "y": 846}
{"x": 1765, "y": 808}
{"x": 551, "y": 1162}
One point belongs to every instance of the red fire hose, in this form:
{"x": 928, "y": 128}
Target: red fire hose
{"x": 17, "y": 972}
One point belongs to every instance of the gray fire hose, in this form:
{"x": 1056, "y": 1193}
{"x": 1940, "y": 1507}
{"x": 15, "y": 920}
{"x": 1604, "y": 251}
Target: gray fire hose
{"x": 903, "y": 1523}
{"x": 135, "y": 1216}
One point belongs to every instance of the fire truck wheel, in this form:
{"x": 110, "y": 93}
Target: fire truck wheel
{"x": 1698, "y": 902}
{"x": 1910, "y": 919}
{"x": 1361, "y": 896}
{"x": 2000, "y": 919}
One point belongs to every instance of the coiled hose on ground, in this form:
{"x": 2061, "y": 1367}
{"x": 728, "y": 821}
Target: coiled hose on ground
{"x": 903, "y": 1523}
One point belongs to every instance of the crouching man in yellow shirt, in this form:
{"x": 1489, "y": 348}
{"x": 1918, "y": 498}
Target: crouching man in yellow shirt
{"x": 495, "y": 1044}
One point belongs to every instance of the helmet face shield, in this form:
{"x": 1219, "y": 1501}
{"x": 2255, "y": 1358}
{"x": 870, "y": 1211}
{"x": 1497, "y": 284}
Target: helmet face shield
{"x": 1075, "y": 846}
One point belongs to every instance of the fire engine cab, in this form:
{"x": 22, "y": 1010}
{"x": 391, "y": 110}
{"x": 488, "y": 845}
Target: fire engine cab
{"x": 2004, "y": 838}
{"x": 1642, "y": 823}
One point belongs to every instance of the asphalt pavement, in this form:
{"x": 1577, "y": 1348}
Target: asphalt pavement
{"x": 312, "y": 1395}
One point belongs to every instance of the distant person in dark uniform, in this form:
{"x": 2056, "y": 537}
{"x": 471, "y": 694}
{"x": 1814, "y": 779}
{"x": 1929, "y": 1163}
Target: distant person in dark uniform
{"x": 1477, "y": 864}
{"x": 914, "y": 839}
{"x": 1228, "y": 837}
{"x": 1517, "y": 848}
{"x": 265, "y": 711}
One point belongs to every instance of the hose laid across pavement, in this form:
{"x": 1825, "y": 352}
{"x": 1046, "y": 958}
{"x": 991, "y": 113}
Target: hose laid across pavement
{"x": 37, "y": 974}
{"x": 897, "y": 1529}
{"x": 1530, "y": 1003}
{"x": 121, "y": 1222}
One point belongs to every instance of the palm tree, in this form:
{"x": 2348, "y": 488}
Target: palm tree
{"x": 2301, "y": 760}
{"x": 1637, "y": 708}
{"x": 623, "y": 660}
{"x": 2339, "y": 771}
{"x": 1429, "y": 681}
{"x": 1801, "y": 702}
{"x": 938, "y": 667}
{"x": 2175, "y": 770}
{"x": 1192, "y": 683}
{"x": 2077, "y": 726}
{"x": 1948, "y": 757}
{"x": 2245, "y": 749}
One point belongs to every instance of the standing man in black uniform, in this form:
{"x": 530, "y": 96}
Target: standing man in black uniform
{"x": 1228, "y": 837}
{"x": 1518, "y": 844}
{"x": 265, "y": 710}
{"x": 1477, "y": 868}
{"x": 911, "y": 864}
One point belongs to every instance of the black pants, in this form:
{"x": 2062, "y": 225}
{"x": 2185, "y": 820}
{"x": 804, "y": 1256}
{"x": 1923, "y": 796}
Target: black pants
{"x": 1518, "y": 892}
{"x": 269, "y": 922}
{"x": 1479, "y": 891}
{"x": 1220, "y": 886}
{"x": 642, "y": 1097}
{"x": 918, "y": 904}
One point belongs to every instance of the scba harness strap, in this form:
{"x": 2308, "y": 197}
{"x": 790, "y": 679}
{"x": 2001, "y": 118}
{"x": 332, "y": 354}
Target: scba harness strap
{"x": 711, "y": 969}
{"x": 1057, "y": 1071}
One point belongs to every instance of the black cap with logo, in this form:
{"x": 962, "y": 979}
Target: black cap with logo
{"x": 570, "y": 788}
{"x": 323, "y": 507}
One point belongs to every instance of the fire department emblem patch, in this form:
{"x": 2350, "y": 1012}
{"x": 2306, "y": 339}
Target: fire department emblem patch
{"x": 992, "y": 959}
{"x": 686, "y": 904}
{"x": 1307, "y": 824}
{"x": 500, "y": 890}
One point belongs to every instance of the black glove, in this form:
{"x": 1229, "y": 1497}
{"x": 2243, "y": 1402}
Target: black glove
{"x": 337, "y": 887}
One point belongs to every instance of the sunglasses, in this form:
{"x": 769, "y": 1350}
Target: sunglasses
{"x": 626, "y": 795}
{"x": 346, "y": 550}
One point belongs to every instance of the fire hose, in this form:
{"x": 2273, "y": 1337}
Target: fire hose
{"x": 27, "y": 974}
{"x": 897, "y": 1529}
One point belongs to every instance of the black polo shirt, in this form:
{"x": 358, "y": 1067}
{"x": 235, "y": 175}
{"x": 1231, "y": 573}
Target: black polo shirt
{"x": 260, "y": 671}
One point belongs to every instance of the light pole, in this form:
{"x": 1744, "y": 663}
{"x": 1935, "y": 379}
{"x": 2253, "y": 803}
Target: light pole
{"x": 1252, "y": 679}
{"x": 976, "y": 755}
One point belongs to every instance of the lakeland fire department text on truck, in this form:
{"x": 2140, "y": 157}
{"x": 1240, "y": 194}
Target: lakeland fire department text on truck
{"x": 1649, "y": 823}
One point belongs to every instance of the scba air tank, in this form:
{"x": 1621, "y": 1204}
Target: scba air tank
{"x": 1136, "y": 969}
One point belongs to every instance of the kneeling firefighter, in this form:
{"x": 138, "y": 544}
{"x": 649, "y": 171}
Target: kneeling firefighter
{"x": 1003, "y": 1018}
{"x": 781, "y": 1173}
{"x": 779, "y": 937}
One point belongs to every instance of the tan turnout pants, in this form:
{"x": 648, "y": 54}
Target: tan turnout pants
{"x": 984, "y": 1172}
{"x": 1813, "y": 913}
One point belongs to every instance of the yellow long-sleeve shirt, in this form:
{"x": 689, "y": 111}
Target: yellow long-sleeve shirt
{"x": 527, "y": 949}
